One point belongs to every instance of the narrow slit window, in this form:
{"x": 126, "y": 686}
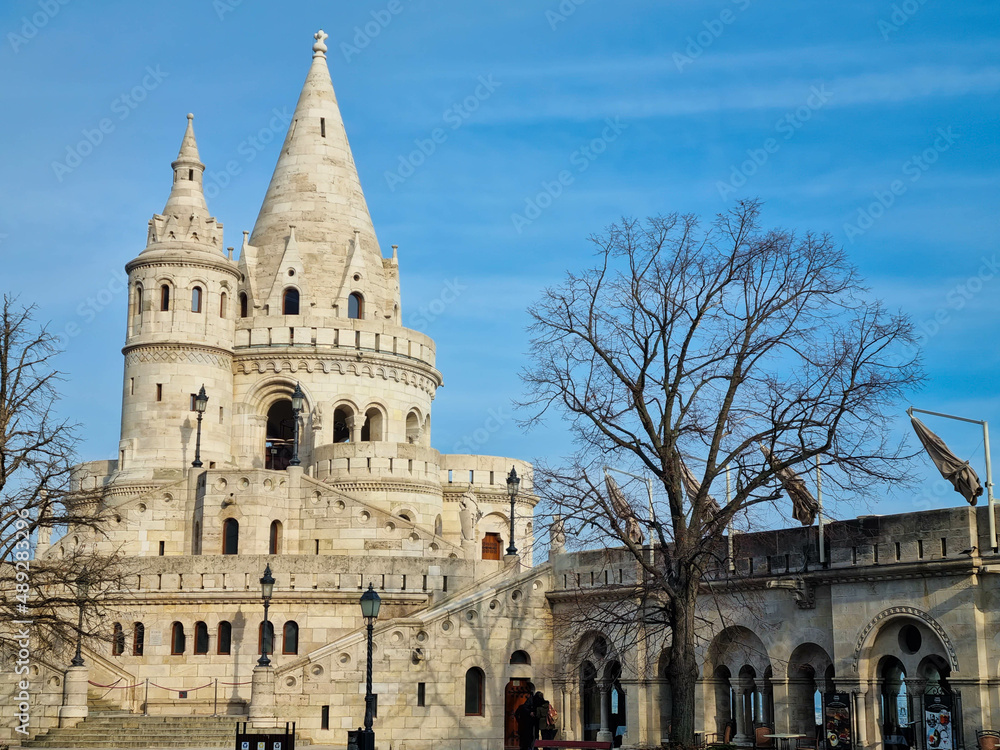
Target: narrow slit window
{"x": 165, "y": 297}
{"x": 244, "y": 305}
{"x": 196, "y": 299}
{"x": 322, "y": 127}
{"x": 222, "y": 304}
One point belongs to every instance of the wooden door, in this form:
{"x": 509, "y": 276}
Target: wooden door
{"x": 492, "y": 544}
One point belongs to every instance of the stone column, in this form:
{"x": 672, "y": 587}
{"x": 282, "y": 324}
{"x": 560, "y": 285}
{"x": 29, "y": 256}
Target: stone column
{"x": 637, "y": 709}
{"x": 741, "y": 737}
{"x": 354, "y": 423}
{"x": 785, "y": 693}
{"x": 605, "y": 734}
{"x": 262, "y": 696}
{"x": 74, "y": 708}
{"x": 758, "y": 705}
{"x": 861, "y": 719}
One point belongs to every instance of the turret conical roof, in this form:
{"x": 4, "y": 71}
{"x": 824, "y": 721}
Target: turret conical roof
{"x": 315, "y": 188}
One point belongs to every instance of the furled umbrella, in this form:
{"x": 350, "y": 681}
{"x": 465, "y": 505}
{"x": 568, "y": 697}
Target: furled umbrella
{"x": 962, "y": 476}
{"x": 804, "y": 506}
{"x": 692, "y": 487}
{"x": 623, "y": 510}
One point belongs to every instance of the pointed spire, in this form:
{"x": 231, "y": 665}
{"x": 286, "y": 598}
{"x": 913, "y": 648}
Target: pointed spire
{"x": 316, "y": 187}
{"x": 186, "y": 195}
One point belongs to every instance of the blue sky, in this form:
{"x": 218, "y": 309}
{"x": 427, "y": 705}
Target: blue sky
{"x": 875, "y": 121}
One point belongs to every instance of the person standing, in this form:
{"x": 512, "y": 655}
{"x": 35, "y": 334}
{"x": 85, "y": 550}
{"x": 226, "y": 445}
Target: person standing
{"x": 524, "y": 715}
{"x": 545, "y": 717}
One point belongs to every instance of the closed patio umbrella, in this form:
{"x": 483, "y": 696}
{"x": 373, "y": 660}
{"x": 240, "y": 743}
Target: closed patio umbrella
{"x": 623, "y": 510}
{"x": 962, "y": 476}
{"x": 804, "y": 506}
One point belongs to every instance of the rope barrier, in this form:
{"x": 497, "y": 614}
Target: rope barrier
{"x": 181, "y": 690}
{"x": 235, "y": 683}
{"x": 115, "y": 687}
{"x": 106, "y": 686}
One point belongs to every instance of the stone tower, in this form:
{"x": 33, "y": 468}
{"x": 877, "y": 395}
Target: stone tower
{"x": 179, "y": 335}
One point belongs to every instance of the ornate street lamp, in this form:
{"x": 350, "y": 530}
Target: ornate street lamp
{"x": 266, "y": 590}
{"x": 513, "y": 483}
{"x": 370, "y": 604}
{"x": 297, "y": 399}
{"x": 82, "y": 589}
{"x": 200, "y": 403}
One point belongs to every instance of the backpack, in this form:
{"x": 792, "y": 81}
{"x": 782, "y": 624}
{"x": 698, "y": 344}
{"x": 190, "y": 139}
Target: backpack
{"x": 553, "y": 715}
{"x": 545, "y": 714}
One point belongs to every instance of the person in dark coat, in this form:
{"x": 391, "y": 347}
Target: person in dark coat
{"x": 526, "y": 723}
{"x": 543, "y": 719}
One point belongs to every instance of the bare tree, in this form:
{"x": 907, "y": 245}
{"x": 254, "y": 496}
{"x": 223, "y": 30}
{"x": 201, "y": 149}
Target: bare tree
{"x": 688, "y": 349}
{"x": 36, "y": 498}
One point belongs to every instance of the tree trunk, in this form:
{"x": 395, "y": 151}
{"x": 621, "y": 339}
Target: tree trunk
{"x": 682, "y": 672}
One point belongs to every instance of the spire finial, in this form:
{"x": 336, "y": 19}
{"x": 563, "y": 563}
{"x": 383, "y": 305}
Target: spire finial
{"x": 319, "y": 49}
{"x": 190, "y": 116}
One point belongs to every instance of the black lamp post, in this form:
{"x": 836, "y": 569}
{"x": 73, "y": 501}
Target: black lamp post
{"x": 297, "y": 398}
{"x": 512, "y": 485}
{"x": 266, "y": 590}
{"x": 82, "y": 589}
{"x": 370, "y": 604}
{"x": 200, "y": 403}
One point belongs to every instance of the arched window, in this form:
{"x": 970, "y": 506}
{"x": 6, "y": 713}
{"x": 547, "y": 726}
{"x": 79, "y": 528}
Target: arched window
{"x": 475, "y": 682}
{"x": 372, "y": 429}
{"x": 413, "y": 430}
{"x": 290, "y": 638}
{"x": 274, "y": 539}
{"x": 200, "y": 638}
{"x": 196, "y": 299}
{"x": 138, "y": 302}
{"x": 223, "y": 299}
{"x": 225, "y": 640}
{"x": 177, "y": 640}
{"x": 244, "y": 305}
{"x": 520, "y": 657}
{"x": 230, "y": 537}
{"x": 165, "y": 297}
{"x": 138, "y": 638}
{"x": 290, "y": 302}
{"x": 117, "y": 640}
{"x": 265, "y": 640}
{"x": 342, "y": 421}
{"x": 355, "y": 306}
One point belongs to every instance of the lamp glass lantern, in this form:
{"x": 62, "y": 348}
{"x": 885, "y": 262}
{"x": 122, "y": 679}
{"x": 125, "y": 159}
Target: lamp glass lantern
{"x": 298, "y": 398}
{"x": 370, "y": 604}
{"x": 201, "y": 401}
{"x": 513, "y": 483}
{"x": 267, "y": 583}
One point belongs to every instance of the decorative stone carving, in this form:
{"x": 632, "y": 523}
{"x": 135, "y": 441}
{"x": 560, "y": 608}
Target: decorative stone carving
{"x": 469, "y": 514}
{"x": 912, "y": 612}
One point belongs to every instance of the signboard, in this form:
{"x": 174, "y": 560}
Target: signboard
{"x": 938, "y": 727}
{"x": 837, "y": 721}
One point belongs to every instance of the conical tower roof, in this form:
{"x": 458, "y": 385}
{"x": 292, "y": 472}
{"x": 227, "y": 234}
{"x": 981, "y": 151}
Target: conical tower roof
{"x": 315, "y": 188}
{"x": 186, "y": 194}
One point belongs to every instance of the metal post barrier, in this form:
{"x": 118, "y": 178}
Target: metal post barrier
{"x": 145, "y": 704}
{"x": 215, "y": 709}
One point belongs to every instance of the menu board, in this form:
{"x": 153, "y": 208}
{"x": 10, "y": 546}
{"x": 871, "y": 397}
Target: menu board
{"x": 937, "y": 722}
{"x": 837, "y": 721}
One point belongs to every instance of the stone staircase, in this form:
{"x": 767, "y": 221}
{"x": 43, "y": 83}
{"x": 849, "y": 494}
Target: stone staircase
{"x": 109, "y": 727}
